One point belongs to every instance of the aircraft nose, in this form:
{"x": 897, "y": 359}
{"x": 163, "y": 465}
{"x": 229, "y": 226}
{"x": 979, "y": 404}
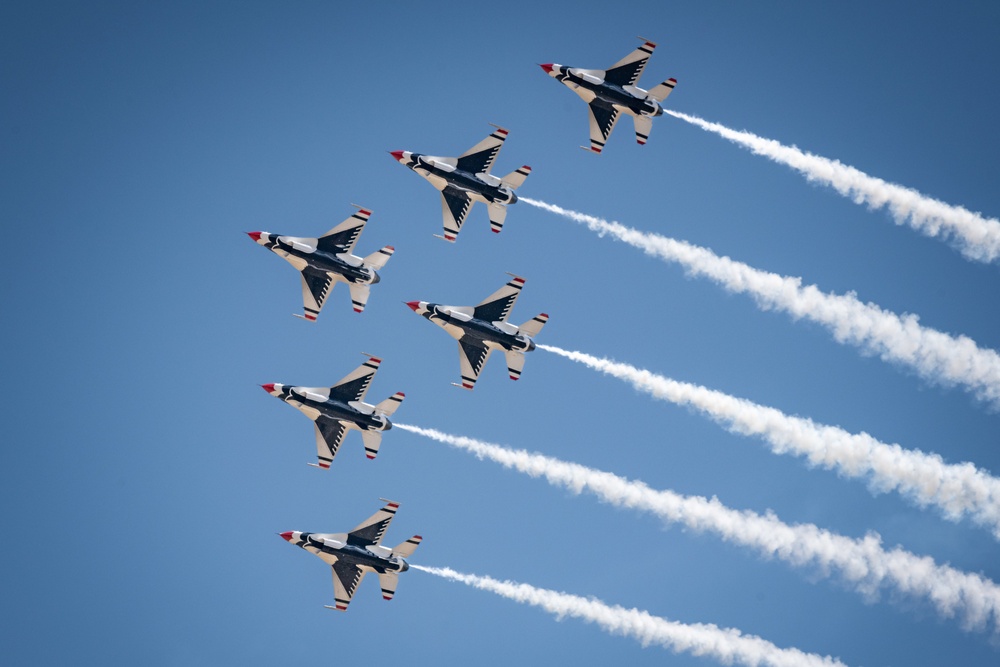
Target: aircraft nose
{"x": 255, "y": 236}
{"x": 547, "y": 67}
{"x": 287, "y": 536}
{"x": 398, "y": 155}
{"x": 269, "y": 388}
{"x": 413, "y": 305}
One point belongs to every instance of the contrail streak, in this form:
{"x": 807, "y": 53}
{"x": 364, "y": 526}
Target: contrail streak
{"x": 976, "y": 236}
{"x": 724, "y": 644}
{"x": 957, "y": 490}
{"x": 864, "y": 563}
{"x": 935, "y": 356}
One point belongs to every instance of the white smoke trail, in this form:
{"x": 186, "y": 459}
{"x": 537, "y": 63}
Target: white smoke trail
{"x": 725, "y": 644}
{"x": 863, "y": 563}
{"x": 976, "y": 236}
{"x": 957, "y": 490}
{"x": 935, "y": 356}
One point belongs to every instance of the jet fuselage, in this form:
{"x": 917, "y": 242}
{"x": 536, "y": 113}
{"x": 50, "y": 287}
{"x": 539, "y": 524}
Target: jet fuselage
{"x": 338, "y": 546}
{"x": 312, "y": 405}
{"x": 482, "y": 187}
{"x": 350, "y": 267}
{"x": 630, "y": 99}
{"x": 462, "y": 326}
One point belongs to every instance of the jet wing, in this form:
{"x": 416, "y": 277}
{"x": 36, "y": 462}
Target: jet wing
{"x": 455, "y": 206}
{"x": 479, "y": 159}
{"x": 343, "y": 237}
{"x": 346, "y": 578}
{"x": 473, "y": 358}
{"x": 602, "y": 121}
{"x": 627, "y": 71}
{"x": 316, "y": 287}
{"x": 371, "y": 530}
{"x": 354, "y": 386}
{"x": 329, "y": 434}
{"x": 497, "y": 306}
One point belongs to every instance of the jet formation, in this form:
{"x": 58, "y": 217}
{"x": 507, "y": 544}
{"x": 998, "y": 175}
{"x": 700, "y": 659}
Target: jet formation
{"x": 467, "y": 179}
{"x": 336, "y": 410}
{"x": 479, "y": 330}
{"x": 483, "y": 328}
{"x": 327, "y": 260}
{"x": 611, "y": 92}
{"x": 354, "y": 554}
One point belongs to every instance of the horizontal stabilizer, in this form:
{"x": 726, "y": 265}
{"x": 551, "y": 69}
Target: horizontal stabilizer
{"x": 643, "y": 125}
{"x": 515, "y": 363}
{"x": 388, "y": 582}
{"x": 515, "y": 179}
{"x": 533, "y": 327}
{"x": 406, "y": 549}
{"x": 389, "y": 405}
{"x": 498, "y": 213}
{"x": 661, "y": 91}
{"x": 377, "y": 259}
{"x": 359, "y": 296}
{"x": 372, "y": 440}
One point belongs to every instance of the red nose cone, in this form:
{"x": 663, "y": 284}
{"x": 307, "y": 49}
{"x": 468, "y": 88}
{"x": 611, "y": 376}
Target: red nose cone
{"x": 255, "y": 236}
{"x": 287, "y": 536}
{"x": 413, "y": 305}
{"x": 547, "y": 67}
{"x": 269, "y": 387}
{"x": 396, "y": 154}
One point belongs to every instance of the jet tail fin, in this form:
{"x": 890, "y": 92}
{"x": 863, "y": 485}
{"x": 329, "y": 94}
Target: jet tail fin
{"x": 498, "y": 213}
{"x": 515, "y": 179}
{"x": 378, "y": 259}
{"x": 389, "y": 405}
{"x": 533, "y": 327}
{"x": 660, "y": 92}
{"x": 406, "y": 549}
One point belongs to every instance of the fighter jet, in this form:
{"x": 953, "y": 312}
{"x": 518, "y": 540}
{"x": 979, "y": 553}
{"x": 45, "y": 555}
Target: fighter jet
{"x": 353, "y": 555}
{"x": 467, "y": 179}
{"x": 327, "y": 260}
{"x": 613, "y": 91}
{"x": 337, "y": 409}
{"x": 484, "y": 328}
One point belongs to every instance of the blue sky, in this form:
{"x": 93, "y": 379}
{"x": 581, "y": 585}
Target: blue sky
{"x": 146, "y": 473}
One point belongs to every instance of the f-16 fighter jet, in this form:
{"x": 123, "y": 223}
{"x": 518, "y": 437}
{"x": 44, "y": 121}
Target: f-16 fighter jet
{"x": 484, "y": 328}
{"x": 337, "y": 409}
{"x": 467, "y": 179}
{"x": 613, "y": 91}
{"x": 328, "y": 260}
{"x": 353, "y": 555}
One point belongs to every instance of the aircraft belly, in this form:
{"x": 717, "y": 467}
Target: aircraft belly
{"x": 344, "y": 415}
{"x": 370, "y": 563}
